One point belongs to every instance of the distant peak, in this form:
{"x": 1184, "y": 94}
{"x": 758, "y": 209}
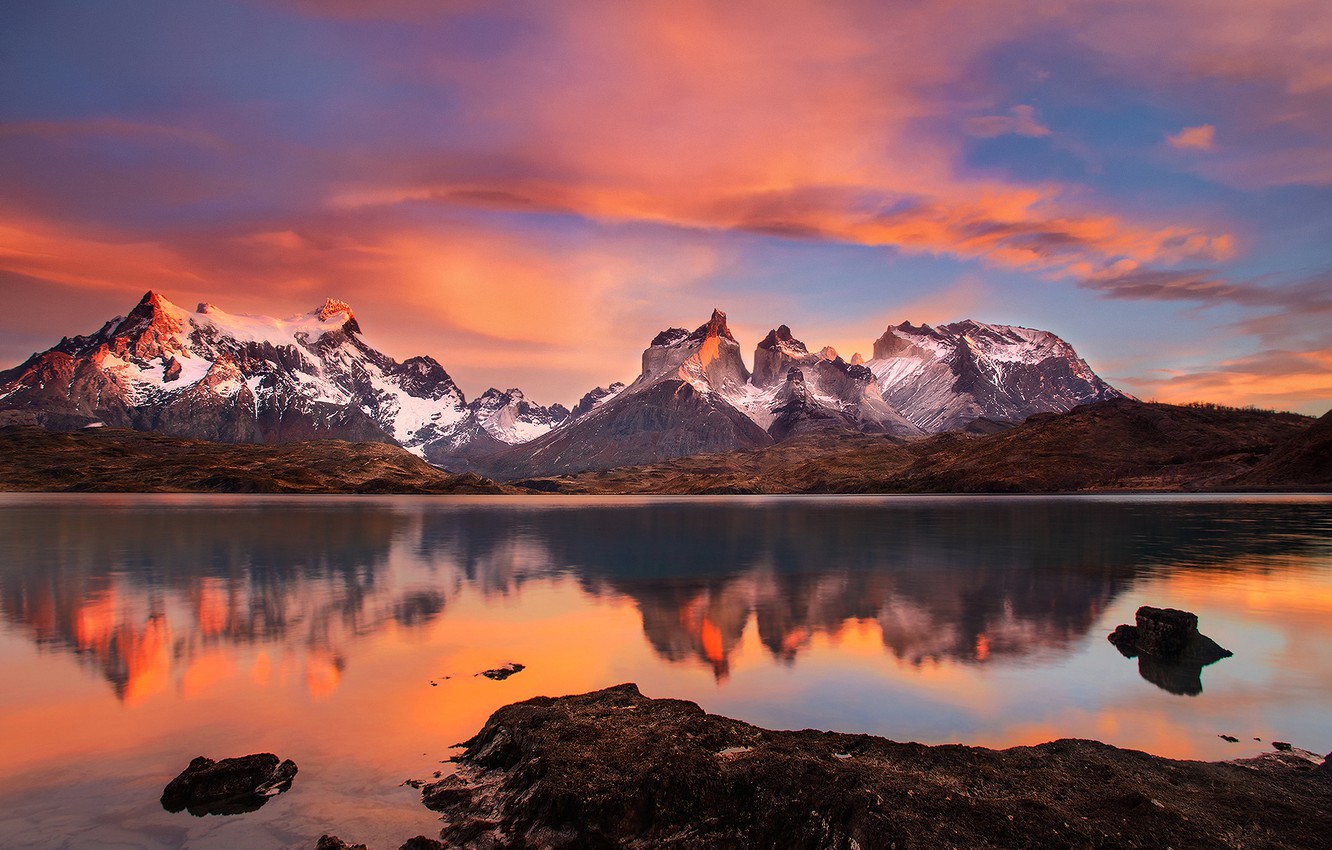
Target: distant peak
{"x": 333, "y": 307}
{"x": 828, "y": 353}
{"x": 205, "y": 307}
{"x": 857, "y": 359}
{"x": 781, "y": 337}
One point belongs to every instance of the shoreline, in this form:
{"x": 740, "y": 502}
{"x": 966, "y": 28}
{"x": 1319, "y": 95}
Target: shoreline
{"x": 614, "y": 768}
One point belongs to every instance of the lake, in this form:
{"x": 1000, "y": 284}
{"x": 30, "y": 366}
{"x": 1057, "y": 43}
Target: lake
{"x": 347, "y": 633}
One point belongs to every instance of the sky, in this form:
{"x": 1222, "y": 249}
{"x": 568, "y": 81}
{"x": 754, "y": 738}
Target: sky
{"x": 530, "y": 191}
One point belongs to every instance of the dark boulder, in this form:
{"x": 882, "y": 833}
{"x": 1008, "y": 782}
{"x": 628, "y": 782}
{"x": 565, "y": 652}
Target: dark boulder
{"x": 1170, "y": 651}
{"x": 332, "y": 842}
{"x": 420, "y": 842}
{"x": 1165, "y": 632}
{"x": 228, "y": 787}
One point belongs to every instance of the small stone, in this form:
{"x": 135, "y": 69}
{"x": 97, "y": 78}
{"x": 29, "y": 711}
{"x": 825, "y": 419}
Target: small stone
{"x": 499, "y": 674}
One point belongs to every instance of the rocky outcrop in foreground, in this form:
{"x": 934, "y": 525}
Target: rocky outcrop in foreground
{"x": 228, "y": 787}
{"x": 613, "y": 768}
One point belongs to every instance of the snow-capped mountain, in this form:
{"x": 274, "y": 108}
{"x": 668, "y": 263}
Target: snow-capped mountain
{"x": 794, "y": 390}
{"x": 214, "y": 375}
{"x": 495, "y": 421}
{"x": 681, "y": 404}
{"x": 947, "y": 377}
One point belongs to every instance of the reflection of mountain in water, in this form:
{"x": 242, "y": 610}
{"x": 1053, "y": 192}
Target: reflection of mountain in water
{"x": 142, "y": 588}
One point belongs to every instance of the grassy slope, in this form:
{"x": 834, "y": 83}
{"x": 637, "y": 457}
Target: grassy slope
{"x": 1112, "y": 445}
{"x": 114, "y": 460}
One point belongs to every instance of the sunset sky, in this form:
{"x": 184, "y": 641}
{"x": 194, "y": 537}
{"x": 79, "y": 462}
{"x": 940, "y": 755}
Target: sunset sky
{"x": 529, "y": 191}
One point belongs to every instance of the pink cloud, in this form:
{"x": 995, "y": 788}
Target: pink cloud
{"x": 1202, "y": 138}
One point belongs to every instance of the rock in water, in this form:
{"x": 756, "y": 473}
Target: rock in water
{"x": 499, "y": 674}
{"x": 1167, "y": 633}
{"x": 1170, "y": 651}
{"x": 332, "y": 842}
{"x": 228, "y": 787}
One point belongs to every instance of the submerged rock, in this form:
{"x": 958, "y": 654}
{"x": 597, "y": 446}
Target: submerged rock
{"x": 499, "y": 674}
{"x": 228, "y": 787}
{"x": 613, "y": 768}
{"x": 1170, "y": 651}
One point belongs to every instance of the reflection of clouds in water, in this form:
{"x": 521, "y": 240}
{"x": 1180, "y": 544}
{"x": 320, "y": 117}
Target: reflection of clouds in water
{"x": 152, "y": 592}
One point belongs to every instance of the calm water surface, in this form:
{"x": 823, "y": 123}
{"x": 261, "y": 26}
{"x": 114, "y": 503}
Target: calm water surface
{"x": 345, "y": 633}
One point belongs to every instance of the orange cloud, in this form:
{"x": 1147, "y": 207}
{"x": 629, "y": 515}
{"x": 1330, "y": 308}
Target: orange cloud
{"x": 816, "y": 125}
{"x": 1283, "y": 380}
{"x": 48, "y": 252}
{"x": 1202, "y": 138}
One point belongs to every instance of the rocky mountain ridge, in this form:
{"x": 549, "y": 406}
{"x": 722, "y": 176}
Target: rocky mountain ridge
{"x": 207, "y": 374}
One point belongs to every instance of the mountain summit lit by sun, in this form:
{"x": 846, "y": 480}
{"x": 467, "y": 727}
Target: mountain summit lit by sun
{"x": 534, "y": 188}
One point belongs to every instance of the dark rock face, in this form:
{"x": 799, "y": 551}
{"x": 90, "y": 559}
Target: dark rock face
{"x": 796, "y": 412}
{"x": 775, "y": 355}
{"x": 1165, "y": 631}
{"x": 228, "y": 787}
{"x": 663, "y": 420}
{"x": 592, "y": 397}
{"x": 615, "y": 769}
{"x": 1170, "y": 651}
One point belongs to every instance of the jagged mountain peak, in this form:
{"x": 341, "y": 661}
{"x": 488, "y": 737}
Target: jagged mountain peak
{"x": 777, "y": 351}
{"x": 709, "y": 358}
{"x": 714, "y": 327}
{"x": 780, "y": 338}
{"x": 334, "y": 307}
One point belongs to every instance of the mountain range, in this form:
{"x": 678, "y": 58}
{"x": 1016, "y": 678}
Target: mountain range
{"x": 211, "y": 375}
